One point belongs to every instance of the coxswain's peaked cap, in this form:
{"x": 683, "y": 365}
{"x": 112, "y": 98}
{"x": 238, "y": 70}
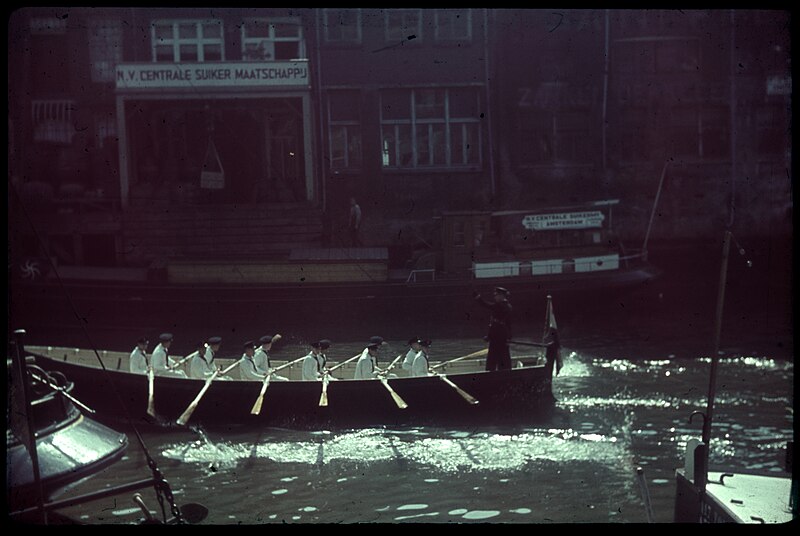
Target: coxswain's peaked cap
{"x": 265, "y": 339}
{"x": 165, "y": 337}
{"x": 214, "y": 340}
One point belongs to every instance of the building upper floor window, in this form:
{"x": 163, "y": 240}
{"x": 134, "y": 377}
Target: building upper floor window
{"x": 403, "y": 24}
{"x": 48, "y": 25}
{"x": 431, "y": 127}
{"x": 344, "y": 127}
{"x": 453, "y": 24}
{"x": 188, "y": 40}
{"x": 272, "y": 39}
{"x": 53, "y": 121}
{"x": 105, "y": 48}
{"x": 342, "y": 25}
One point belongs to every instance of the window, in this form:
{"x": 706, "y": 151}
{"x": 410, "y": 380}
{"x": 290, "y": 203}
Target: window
{"x": 424, "y": 128}
{"x": 188, "y": 41}
{"x": 342, "y": 25}
{"x": 105, "y": 48}
{"x": 403, "y": 24}
{"x": 453, "y": 24}
{"x": 52, "y": 121}
{"x": 275, "y": 39}
{"x": 344, "y": 127}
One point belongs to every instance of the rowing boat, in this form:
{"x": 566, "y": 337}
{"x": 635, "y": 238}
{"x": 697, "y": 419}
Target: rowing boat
{"x": 521, "y": 393}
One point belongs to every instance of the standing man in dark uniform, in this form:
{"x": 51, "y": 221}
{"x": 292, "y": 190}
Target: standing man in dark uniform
{"x": 499, "y": 357}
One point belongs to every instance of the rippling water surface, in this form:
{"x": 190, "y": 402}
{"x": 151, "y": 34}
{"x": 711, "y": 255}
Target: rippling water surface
{"x": 635, "y": 370}
{"x": 613, "y": 415}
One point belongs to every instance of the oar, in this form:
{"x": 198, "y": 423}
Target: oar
{"x": 182, "y": 361}
{"x": 397, "y": 400}
{"x": 382, "y": 377}
{"x": 260, "y": 400}
{"x": 479, "y": 353}
{"x": 151, "y": 404}
{"x": 323, "y": 398}
{"x": 183, "y": 419}
{"x": 469, "y": 398}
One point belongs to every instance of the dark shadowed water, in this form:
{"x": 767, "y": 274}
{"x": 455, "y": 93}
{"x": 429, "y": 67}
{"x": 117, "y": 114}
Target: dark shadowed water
{"x": 635, "y": 370}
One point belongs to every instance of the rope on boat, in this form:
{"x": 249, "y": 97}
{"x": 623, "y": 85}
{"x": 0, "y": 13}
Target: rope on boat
{"x": 160, "y": 484}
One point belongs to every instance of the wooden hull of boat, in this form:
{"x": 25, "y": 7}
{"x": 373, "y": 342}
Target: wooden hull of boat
{"x": 517, "y": 395}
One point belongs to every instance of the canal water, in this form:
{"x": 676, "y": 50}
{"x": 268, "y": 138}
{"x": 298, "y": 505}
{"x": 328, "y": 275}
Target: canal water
{"x": 634, "y": 372}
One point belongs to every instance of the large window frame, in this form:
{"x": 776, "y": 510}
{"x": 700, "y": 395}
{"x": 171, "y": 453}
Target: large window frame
{"x": 400, "y": 24}
{"x": 342, "y": 25}
{"x": 344, "y": 130}
{"x": 270, "y": 39}
{"x": 452, "y": 25}
{"x": 426, "y": 131}
{"x": 200, "y": 47}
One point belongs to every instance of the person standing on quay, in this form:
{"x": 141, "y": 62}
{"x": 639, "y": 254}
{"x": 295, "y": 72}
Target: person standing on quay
{"x": 354, "y": 223}
{"x": 499, "y": 357}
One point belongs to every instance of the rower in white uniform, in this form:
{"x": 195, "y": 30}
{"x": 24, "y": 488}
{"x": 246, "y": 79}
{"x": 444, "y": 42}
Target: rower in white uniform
{"x": 315, "y": 361}
{"x": 203, "y": 365}
{"x": 248, "y": 368}
{"x": 138, "y": 359}
{"x": 367, "y": 365}
{"x": 422, "y": 361}
{"x": 262, "y": 357}
{"x": 161, "y": 359}
{"x": 414, "y": 349}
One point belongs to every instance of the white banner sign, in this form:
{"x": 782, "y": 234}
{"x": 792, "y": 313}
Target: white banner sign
{"x": 564, "y": 220}
{"x": 217, "y": 74}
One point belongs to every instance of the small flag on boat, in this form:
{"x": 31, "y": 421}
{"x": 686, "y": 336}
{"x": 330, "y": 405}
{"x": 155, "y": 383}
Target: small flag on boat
{"x": 551, "y": 335}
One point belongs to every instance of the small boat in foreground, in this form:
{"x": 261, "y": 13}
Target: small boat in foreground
{"x": 51, "y": 445}
{"x": 702, "y": 496}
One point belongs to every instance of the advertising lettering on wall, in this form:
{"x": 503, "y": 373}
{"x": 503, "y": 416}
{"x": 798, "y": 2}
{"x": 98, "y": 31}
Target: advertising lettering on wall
{"x": 564, "y": 220}
{"x": 196, "y": 75}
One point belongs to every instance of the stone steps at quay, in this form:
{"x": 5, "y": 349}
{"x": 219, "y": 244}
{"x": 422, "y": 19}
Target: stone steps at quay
{"x": 260, "y": 231}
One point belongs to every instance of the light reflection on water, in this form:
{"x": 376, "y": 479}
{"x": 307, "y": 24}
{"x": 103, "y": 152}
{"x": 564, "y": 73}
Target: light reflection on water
{"x": 613, "y": 415}
{"x": 481, "y": 451}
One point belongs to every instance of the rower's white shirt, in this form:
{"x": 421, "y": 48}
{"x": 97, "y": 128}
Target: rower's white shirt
{"x": 420, "y": 366}
{"x": 312, "y": 365}
{"x": 138, "y": 361}
{"x": 408, "y": 362}
{"x": 160, "y": 359}
{"x": 366, "y": 365}
{"x": 248, "y": 369}
{"x": 261, "y": 359}
{"x": 201, "y": 368}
